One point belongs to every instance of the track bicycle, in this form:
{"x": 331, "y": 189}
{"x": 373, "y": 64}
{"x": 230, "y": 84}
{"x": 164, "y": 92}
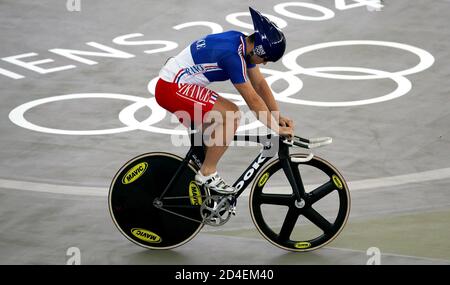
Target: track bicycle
{"x": 155, "y": 202}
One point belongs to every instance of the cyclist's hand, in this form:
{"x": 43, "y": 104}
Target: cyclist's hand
{"x": 287, "y": 132}
{"x": 285, "y": 122}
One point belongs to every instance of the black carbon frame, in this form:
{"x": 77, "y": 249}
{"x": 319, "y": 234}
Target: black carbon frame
{"x": 272, "y": 145}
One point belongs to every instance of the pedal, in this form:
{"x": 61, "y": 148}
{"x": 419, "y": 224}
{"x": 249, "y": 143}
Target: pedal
{"x": 233, "y": 210}
{"x": 233, "y": 203}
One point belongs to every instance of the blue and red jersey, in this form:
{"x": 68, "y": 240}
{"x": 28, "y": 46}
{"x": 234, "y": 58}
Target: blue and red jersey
{"x": 216, "y": 57}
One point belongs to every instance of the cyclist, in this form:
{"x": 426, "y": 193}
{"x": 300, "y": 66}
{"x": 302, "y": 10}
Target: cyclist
{"x": 218, "y": 57}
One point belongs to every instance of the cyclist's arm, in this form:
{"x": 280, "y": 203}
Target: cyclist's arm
{"x": 262, "y": 88}
{"x": 257, "y": 105}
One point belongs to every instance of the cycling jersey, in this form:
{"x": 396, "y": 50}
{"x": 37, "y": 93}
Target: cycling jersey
{"x": 216, "y": 57}
{"x": 183, "y": 79}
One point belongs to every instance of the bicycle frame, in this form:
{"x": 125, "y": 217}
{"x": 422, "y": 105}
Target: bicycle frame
{"x": 196, "y": 154}
{"x": 166, "y": 208}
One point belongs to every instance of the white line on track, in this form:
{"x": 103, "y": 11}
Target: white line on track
{"x": 356, "y": 251}
{"x": 437, "y": 174}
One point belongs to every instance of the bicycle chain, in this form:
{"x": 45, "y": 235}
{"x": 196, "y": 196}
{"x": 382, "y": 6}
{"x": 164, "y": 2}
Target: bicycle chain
{"x": 211, "y": 219}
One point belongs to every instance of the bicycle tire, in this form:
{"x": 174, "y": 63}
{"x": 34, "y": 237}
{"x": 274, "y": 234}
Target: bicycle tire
{"x": 258, "y": 198}
{"x": 133, "y": 191}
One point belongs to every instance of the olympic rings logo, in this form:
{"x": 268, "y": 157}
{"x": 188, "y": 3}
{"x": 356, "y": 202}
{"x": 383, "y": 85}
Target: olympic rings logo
{"x": 295, "y": 85}
{"x": 403, "y": 84}
{"x": 291, "y": 94}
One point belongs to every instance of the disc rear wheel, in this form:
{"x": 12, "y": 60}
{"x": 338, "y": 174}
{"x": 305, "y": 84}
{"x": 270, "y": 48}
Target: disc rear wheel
{"x": 145, "y": 219}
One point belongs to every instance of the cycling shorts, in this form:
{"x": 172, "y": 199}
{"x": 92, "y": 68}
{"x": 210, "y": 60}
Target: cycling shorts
{"x": 193, "y": 99}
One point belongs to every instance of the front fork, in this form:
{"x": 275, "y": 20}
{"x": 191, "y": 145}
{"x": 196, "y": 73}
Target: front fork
{"x": 292, "y": 174}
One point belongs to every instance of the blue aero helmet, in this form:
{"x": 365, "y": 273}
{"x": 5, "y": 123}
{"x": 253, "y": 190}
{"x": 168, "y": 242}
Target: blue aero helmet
{"x": 270, "y": 42}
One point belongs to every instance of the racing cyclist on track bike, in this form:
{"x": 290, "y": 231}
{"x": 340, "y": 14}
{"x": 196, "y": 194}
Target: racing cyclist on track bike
{"x": 218, "y": 57}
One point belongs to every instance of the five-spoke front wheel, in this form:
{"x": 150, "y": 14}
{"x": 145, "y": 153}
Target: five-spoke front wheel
{"x": 306, "y": 224}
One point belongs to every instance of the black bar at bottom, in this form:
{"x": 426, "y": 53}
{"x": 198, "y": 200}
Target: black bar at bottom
{"x": 209, "y": 274}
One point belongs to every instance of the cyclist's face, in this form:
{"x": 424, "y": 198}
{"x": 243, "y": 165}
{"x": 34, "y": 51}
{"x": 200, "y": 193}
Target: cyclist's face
{"x": 257, "y": 60}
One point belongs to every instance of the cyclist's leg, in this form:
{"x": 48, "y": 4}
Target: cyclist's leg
{"x": 221, "y": 123}
{"x": 211, "y": 109}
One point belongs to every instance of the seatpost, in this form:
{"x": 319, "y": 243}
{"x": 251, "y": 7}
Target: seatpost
{"x": 192, "y": 133}
{"x": 192, "y": 151}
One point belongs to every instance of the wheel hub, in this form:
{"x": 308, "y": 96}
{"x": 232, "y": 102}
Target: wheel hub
{"x": 157, "y": 203}
{"x": 300, "y": 204}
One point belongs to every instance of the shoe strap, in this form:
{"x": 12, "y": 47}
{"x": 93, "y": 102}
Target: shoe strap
{"x": 217, "y": 181}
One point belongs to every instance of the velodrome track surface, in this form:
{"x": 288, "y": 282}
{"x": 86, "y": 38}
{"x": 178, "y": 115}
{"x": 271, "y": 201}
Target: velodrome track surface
{"x": 386, "y": 106}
